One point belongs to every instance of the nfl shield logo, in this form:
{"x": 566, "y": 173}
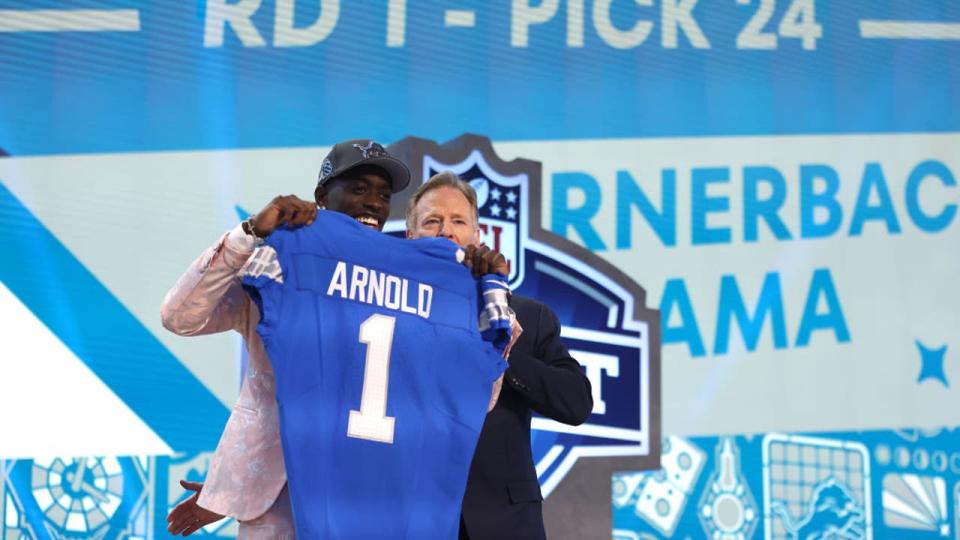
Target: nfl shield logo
{"x": 500, "y": 199}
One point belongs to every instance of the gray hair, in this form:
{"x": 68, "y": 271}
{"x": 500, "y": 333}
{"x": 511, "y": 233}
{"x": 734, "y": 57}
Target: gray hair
{"x": 442, "y": 179}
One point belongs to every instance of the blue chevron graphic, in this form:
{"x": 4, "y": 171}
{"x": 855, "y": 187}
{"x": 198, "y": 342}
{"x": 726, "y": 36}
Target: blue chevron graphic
{"x": 93, "y": 324}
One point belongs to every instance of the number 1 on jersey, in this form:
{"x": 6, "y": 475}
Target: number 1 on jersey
{"x": 371, "y": 421}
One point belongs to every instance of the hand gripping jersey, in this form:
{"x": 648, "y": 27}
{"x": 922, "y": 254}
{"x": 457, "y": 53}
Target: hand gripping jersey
{"x": 382, "y": 377}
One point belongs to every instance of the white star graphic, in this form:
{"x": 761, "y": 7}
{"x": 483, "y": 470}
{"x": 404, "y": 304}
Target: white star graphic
{"x": 511, "y": 197}
{"x": 511, "y": 213}
{"x": 495, "y": 194}
{"x": 495, "y": 210}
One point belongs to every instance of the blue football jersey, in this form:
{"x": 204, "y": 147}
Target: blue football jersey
{"x": 382, "y": 377}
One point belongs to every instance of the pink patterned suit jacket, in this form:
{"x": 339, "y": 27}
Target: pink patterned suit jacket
{"x": 246, "y": 473}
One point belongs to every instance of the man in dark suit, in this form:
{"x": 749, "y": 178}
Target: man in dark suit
{"x": 503, "y": 499}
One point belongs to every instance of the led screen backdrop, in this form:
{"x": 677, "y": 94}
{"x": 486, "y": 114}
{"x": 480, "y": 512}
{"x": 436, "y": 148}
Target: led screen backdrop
{"x": 743, "y": 211}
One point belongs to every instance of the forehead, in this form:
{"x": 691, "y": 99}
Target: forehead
{"x": 444, "y": 200}
{"x": 372, "y": 179}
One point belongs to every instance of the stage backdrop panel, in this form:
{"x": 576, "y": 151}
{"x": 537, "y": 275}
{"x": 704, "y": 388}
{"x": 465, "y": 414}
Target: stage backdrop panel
{"x": 743, "y": 212}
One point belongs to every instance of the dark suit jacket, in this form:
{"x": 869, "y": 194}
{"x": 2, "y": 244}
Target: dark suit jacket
{"x": 503, "y": 499}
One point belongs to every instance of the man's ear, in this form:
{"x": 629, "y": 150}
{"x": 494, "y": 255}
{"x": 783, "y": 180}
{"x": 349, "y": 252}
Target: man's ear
{"x": 320, "y": 196}
{"x": 410, "y": 235}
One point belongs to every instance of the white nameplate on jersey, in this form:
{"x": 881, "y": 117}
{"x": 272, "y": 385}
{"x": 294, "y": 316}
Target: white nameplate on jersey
{"x": 362, "y": 284}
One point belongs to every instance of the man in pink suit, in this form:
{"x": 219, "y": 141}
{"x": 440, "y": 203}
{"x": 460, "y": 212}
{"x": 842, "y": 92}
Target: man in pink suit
{"x": 247, "y": 480}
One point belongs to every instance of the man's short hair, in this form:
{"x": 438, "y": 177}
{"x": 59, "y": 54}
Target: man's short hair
{"x": 442, "y": 179}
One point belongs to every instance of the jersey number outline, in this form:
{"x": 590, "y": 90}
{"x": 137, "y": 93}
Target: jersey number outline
{"x": 371, "y": 421}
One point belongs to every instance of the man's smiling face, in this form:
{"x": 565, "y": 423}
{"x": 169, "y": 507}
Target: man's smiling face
{"x": 363, "y": 194}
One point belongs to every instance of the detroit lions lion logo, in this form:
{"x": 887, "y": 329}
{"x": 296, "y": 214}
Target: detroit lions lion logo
{"x": 832, "y": 512}
{"x": 371, "y": 149}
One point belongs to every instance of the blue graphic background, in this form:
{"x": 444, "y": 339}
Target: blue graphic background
{"x": 885, "y": 458}
{"x": 160, "y": 88}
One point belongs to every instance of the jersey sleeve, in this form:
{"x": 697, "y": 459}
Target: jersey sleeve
{"x": 262, "y": 278}
{"x": 495, "y": 313}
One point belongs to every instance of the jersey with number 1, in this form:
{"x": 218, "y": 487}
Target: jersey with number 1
{"x": 382, "y": 377}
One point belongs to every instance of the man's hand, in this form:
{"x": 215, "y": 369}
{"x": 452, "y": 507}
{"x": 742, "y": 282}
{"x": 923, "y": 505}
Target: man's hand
{"x": 483, "y": 260}
{"x": 188, "y": 517}
{"x": 291, "y": 210}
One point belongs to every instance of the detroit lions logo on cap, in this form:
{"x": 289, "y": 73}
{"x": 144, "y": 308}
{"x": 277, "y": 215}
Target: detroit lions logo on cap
{"x": 371, "y": 149}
